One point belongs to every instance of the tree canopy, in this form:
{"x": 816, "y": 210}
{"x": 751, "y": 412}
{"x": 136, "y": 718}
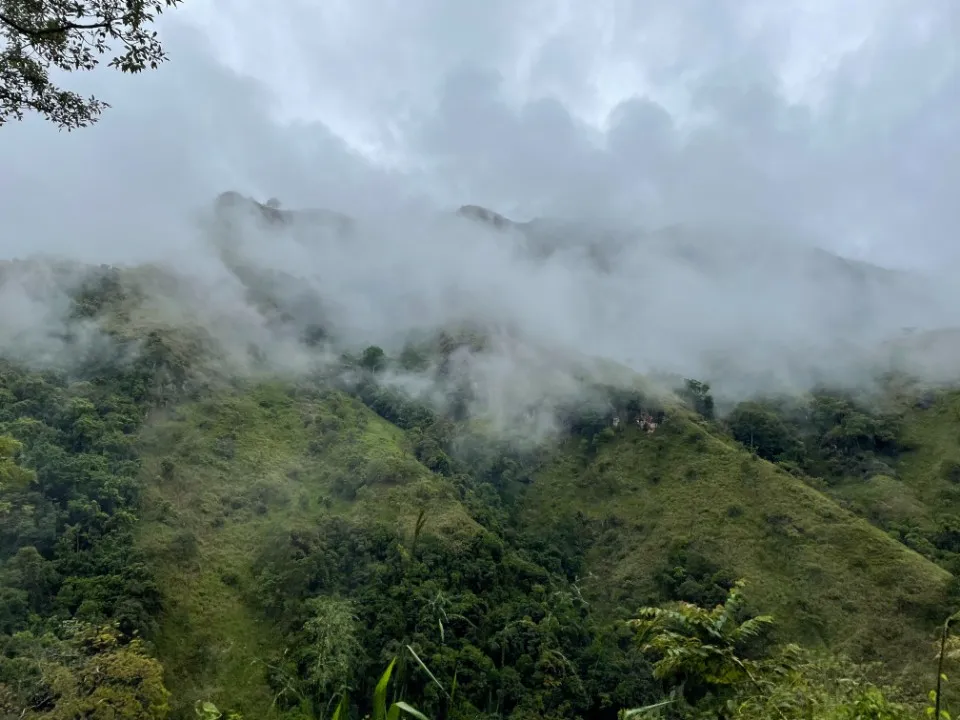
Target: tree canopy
{"x": 44, "y": 35}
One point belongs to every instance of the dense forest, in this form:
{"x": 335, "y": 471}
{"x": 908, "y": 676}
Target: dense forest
{"x": 176, "y": 544}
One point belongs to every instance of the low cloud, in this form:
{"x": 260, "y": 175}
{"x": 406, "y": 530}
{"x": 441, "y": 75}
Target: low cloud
{"x": 698, "y": 208}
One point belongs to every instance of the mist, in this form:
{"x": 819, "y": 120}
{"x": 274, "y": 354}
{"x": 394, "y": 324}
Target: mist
{"x": 715, "y": 190}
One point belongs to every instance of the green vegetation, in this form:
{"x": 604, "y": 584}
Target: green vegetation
{"x": 646, "y": 500}
{"x": 893, "y": 460}
{"x": 70, "y": 36}
{"x": 68, "y": 515}
{"x": 176, "y": 543}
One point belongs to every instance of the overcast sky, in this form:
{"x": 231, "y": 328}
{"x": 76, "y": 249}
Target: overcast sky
{"x": 828, "y": 119}
{"x": 834, "y": 117}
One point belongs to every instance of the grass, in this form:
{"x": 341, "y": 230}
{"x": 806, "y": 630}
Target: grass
{"x": 828, "y": 576}
{"x": 931, "y": 471}
{"x": 226, "y": 474}
{"x": 924, "y": 489}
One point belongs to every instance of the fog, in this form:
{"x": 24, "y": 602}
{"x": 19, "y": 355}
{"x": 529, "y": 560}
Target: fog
{"x": 694, "y": 168}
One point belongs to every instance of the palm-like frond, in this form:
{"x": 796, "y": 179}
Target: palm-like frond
{"x": 694, "y": 640}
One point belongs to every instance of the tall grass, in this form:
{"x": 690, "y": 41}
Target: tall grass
{"x": 381, "y": 711}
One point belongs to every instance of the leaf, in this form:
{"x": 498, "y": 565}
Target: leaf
{"x": 410, "y": 710}
{"x": 427, "y": 670}
{"x": 380, "y": 693}
{"x": 633, "y": 712}
{"x": 206, "y": 710}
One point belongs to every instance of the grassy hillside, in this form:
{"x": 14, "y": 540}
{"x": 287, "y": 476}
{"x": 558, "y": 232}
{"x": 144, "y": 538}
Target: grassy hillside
{"x": 649, "y": 500}
{"x": 226, "y": 474}
{"x": 665, "y": 514}
{"x": 918, "y": 500}
{"x": 174, "y": 531}
{"x": 931, "y": 470}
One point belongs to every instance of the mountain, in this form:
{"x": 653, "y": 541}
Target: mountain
{"x": 751, "y": 309}
{"x": 201, "y": 501}
{"x": 757, "y": 256}
{"x": 231, "y": 204}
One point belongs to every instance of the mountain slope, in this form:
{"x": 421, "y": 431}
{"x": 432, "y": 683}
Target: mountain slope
{"x": 828, "y": 576}
{"x": 231, "y": 473}
{"x": 918, "y": 500}
{"x": 224, "y": 476}
{"x": 280, "y": 518}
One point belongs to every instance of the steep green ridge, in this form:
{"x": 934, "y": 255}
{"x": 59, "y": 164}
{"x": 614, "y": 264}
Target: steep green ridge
{"x": 828, "y": 576}
{"x": 918, "y": 502}
{"x": 227, "y": 473}
{"x": 890, "y": 458}
{"x": 932, "y": 469}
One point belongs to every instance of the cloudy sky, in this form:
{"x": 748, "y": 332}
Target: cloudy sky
{"x": 835, "y": 118}
{"x": 829, "y": 121}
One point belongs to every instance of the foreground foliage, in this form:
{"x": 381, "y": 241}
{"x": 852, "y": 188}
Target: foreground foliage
{"x": 716, "y": 669}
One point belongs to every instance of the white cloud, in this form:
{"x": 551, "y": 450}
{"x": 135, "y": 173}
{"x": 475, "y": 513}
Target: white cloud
{"x": 830, "y": 122}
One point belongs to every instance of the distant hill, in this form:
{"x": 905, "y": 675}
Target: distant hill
{"x": 232, "y": 204}
{"x": 279, "y": 515}
{"x": 794, "y": 305}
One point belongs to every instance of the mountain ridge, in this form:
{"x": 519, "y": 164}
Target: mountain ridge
{"x": 253, "y": 485}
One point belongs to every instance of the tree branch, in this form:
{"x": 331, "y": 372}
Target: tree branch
{"x": 35, "y": 32}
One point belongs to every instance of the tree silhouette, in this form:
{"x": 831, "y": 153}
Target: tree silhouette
{"x": 70, "y": 35}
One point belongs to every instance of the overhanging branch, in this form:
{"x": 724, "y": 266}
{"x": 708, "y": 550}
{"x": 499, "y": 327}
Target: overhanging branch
{"x": 65, "y": 27}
